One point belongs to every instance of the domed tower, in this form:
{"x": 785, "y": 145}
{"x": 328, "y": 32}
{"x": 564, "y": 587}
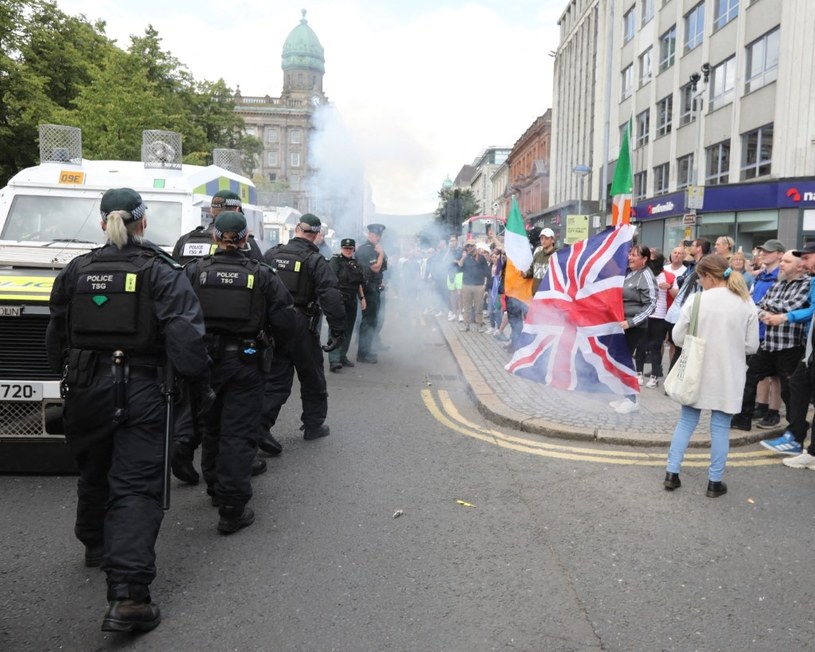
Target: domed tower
{"x": 303, "y": 64}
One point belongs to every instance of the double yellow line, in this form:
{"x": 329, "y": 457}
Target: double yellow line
{"x": 446, "y": 413}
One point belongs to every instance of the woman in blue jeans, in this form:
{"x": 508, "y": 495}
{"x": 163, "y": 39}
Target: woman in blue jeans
{"x": 729, "y": 325}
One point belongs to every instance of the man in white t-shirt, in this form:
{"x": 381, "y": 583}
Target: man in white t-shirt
{"x": 676, "y": 266}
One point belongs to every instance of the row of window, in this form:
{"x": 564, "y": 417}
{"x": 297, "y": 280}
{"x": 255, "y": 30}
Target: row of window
{"x": 273, "y": 160}
{"x": 273, "y": 134}
{"x": 723, "y": 12}
{"x": 761, "y": 67}
{"x": 756, "y": 161}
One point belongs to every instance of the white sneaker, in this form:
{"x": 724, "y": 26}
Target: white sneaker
{"x": 451, "y": 316}
{"x": 617, "y": 402}
{"x": 653, "y": 381}
{"x": 461, "y": 317}
{"x": 628, "y": 407}
{"x": 802, "y": 461}
{"x": 640, "y": 379}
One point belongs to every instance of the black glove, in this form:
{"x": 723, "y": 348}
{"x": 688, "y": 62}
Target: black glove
{"x": 202, "y": 396}
{"x": 335, "y": 338}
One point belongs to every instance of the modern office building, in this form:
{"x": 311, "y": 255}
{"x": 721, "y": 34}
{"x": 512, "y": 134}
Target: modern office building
{"x": 720, "y": 96}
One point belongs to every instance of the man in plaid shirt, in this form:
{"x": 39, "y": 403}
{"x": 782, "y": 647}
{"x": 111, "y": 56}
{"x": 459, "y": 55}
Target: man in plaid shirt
{"x": 783, "y": 344}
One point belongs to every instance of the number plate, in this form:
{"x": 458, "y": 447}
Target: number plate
{"x": 20, "y": 391}
{"x": 10, "y": 311}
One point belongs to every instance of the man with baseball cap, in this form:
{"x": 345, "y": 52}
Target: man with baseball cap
{"x": 801, "y": 382}
{"x": 374, "y": 262}
{"x": 349, "y": 274}
{"x": 540, "y": 258}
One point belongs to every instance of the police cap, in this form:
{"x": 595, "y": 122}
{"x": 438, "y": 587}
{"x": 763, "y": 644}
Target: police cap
{"x": 376, "y": 228}
{"x": 230, "y": 222}
{"x": 122, "y": 199}
{"x": 312, "y": 223}
{"x": 225, "y": 199}
{"x": 348, "y": 242}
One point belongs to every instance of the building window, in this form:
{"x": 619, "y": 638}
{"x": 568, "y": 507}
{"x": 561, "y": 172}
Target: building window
{"x": 272, "y": 176}
{"x": 250, "y": 131}
{"x": 627, "y": 82}
{"x": 628, "y": 25}
{"x": 762, "y": 61}
{"x": 296, "y": 136}
{"x": 647, "y": 10}
{"x": 694, "y": 27}
{"x": 718, "y": 164}
{"x": 724, "y": 12}
{"x": 687, "y": 109}
{"x": 271, "y": 158}
{"x": 722, "y": 84}
{"x": 665, "y": 110}
{"x": 661, "y": 173}
{"x": 757, "y": 153}
{"x": 667, "y": 49}
{"x": 643, "y": 127}
{"x": 640, "y": 182}
{"x": 645, "y": 67}
{"x": 294, "y": 159}
{"x": 684, "y": 172}
{"x": 271, "y": 135}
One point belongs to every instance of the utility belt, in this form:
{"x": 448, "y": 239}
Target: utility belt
{"x": 84, "y": 365}
{"x": 250, "y": 349}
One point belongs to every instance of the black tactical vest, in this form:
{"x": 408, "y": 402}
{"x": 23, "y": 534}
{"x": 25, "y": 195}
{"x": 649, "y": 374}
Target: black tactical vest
{"x": 350, "y": 273}
{"x": 111, "y": 307}
{"x": 232, "y": 300}
{"x": 292, "y": 269}
{"x": 197, "y": 245}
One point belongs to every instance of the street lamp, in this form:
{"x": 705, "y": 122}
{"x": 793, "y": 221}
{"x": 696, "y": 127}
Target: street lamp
{"x": 580, "y": 171}
{"x": 696, "y": 112}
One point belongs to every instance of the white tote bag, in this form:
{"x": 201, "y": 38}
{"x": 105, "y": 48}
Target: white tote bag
{"x": 684, "y": 381}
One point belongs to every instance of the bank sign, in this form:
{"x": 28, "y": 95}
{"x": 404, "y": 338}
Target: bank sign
{"x": 742, "y": 197}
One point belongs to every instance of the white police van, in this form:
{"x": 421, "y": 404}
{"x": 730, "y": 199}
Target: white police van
{"x": 48, "y": 215}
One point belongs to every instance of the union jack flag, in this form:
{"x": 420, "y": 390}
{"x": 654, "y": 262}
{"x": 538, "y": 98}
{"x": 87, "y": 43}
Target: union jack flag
{"x": 572, "y": 338}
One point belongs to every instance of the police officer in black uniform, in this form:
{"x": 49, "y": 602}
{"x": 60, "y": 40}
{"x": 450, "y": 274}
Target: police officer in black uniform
{"x": 374, "y": 262}
{"x": 198, "y": 242}
{"x": 244, "y": 305}
{"x": 350, "y": 277}
{"x": 315, "y": 290}
{"x": 118, "y": 315}
{"x": 192, "y": 246}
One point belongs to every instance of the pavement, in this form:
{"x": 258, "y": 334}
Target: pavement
{"x": 528, "y": 406}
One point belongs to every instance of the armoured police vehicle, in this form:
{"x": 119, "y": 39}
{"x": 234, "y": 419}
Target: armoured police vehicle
{"x": 48, "y": 215}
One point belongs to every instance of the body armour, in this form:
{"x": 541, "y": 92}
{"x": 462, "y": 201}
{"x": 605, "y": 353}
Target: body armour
{"x": 291, "y": 266}
{"x": 198, "y": 244}
{"x": 232, "y": 300}
{"x": 111, "y": 307}
{"x": 349, "y": 273}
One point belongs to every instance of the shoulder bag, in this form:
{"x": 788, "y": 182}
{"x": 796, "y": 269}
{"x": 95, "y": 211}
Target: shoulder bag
{"x": 684, "y": 381}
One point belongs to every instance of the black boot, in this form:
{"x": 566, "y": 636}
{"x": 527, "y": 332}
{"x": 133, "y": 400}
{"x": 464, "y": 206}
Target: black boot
{"x": 130, "y": 609}
{"x": 181, "y": 463}
{"x": 258, "y": 465}
{"x": 269, "y": 444}
{"x": 346, "y": 362}
{"x": 233, "y": 518}
{"x": 672, "y": 481}
{"x": 315, "y": 432}
{"x": 715, "y": 489}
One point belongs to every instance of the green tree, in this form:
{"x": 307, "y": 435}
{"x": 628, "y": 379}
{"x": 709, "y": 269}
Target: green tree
{"x": 455, "y": 206}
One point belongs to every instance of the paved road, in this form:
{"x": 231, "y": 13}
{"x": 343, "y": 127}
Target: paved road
{"x": 579, "y": 550}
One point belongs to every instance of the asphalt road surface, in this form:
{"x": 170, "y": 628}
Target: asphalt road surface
{"x": 504, "y": 541}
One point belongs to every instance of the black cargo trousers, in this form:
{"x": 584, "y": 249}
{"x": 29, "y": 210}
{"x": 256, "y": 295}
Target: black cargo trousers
{"x": 121, "y": 470}
{"x": 232, "y": 427}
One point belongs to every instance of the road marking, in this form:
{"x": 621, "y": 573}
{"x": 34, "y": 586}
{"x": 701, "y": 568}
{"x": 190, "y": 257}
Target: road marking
{"x": 446, "y": 413}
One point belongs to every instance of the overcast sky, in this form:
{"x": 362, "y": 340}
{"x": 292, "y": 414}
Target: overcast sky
{"x": 422, "y": 85}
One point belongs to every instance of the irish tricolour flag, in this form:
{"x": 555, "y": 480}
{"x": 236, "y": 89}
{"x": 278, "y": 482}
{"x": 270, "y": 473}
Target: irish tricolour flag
{"x": 519, "y": 256}
{"x": 622, "y": 187}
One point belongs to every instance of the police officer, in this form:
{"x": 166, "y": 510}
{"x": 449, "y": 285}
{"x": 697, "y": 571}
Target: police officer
{"x": 192, "y": 246}
{"x": 315, "y": 290}
{"x": 350, "y": 277}
{"x": 374, "y": 262}
{"x": 198, "y": 242}
{"x": 118, "y": 315}
{"x": 244, "y": 304}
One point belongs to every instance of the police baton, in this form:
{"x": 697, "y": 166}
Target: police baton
{"x": 168, "y": 389}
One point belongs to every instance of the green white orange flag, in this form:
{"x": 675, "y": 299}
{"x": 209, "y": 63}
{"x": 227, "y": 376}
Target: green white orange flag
{"x": 622, "y": 187}
{"x": 519, "y": 256}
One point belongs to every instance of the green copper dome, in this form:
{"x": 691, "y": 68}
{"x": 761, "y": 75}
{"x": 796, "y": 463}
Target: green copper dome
{"x": 302, "y": 49}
